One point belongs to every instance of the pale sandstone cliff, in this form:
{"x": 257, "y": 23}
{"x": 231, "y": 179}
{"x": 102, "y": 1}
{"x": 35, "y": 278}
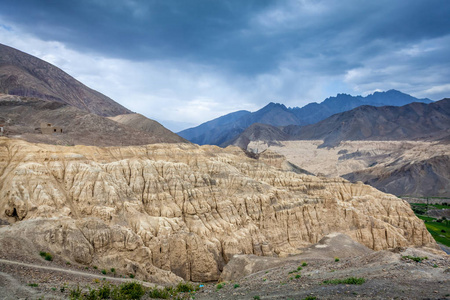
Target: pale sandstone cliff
{"x": 170, "y": 211}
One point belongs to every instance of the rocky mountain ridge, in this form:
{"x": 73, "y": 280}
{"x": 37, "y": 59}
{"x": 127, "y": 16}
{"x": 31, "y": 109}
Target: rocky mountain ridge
{"x": 224, "y": 130}
{"x": 415, "y": 121}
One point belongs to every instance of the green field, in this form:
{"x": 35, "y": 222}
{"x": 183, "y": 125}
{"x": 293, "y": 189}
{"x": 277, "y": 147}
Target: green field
{"x": 439, "y": 230}
{"x": 431, "y": 206}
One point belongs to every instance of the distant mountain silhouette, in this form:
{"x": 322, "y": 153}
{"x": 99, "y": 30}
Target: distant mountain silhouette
{"x": 415, "y": 121}
{"x": 24, "y": 75}
{"x": 226, "y": 129}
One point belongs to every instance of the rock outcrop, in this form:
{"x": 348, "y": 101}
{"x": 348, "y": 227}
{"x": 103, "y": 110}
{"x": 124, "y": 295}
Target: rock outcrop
{"x": 168, "y": 211}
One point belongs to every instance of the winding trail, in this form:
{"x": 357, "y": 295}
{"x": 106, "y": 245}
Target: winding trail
{"x": 73, "y": 272}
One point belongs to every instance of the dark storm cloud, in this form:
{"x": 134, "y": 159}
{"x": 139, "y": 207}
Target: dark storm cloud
{"x": 244, "y": 36}
{"x": 206, "y": 58}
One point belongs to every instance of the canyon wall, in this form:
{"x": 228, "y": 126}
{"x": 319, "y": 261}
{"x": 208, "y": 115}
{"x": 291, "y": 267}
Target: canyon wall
{"x": 168, "y": 211}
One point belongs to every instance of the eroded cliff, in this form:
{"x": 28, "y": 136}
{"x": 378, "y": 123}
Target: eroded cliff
{"x": 169, "y": 211}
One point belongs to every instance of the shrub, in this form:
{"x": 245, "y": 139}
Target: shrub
{"x": 299, "y": 268}
{"x": 159, "y": 293}
{"x": 33, "y": 284}
{"x": 113, "y": 270}
{"x": 236, "y": 286}
{"x": 310, "y": 298}
{"x": 256, "y": 297}
{"x": 132, "y": 290}
{"x": 184, "y": 287}
{"x": 350, "y": 280}
{"x": 46, "y": 255}
{"x": 297, "y": 276}
{"x": 68, "y": 263}
{"x": 336, "y": 259}
{"x": 103, "y": 271}
{"x": 95, "y": 267}
{"x": 304, "y": 264}
{"x": 75, "y": 293}
{"x": 104, "y": 292}
{"x": 131, "y": 275}
{"x": 219, "y": 286}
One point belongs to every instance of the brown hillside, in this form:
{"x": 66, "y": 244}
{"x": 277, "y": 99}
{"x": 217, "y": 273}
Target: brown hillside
{"x": 25, "y": 75}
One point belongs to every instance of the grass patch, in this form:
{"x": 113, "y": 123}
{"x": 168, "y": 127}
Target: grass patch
{"x": 350, "y": 280}
{"x": 439, "y": 230}
{"x": 414, "y": 258}
{"x": 33, "y": 284}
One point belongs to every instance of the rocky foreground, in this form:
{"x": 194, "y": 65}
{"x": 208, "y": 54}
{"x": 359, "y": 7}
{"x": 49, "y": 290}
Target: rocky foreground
{"x": 164, "y": 212}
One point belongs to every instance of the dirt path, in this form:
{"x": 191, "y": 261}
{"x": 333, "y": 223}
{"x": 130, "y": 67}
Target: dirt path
{"x": 19, "y": 280}
{"x": 72, "y": 272}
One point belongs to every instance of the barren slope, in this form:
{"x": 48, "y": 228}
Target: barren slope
{"x": 141, "y": 123}
{"x": 22, "y": 117}
{"x": 25, "y": 75}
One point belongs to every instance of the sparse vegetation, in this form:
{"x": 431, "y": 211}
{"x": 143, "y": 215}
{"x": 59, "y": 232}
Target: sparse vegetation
{"x": 219, "y": 286}
{"x": 350, "y": 280}
{"x": 304, "y": 264}
{"x": 33, "y": 284}
{"x": 131, "y": 275}
{"x": 414, "y": 258}
{"x": 299, "y": 268}
{"x": 310, "y": 298}
{"x": 236, "y": 286}
{"x": 95, "y": 267}
{"x": 298, "y": 276}
{"x": 103, "y": 271}
{"x": 256, "y": 297}
{"x": 336, "y": 259}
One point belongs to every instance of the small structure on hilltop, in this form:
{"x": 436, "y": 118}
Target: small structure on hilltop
{"x": 2, "y": 129}
{"x": 48, "y": 128}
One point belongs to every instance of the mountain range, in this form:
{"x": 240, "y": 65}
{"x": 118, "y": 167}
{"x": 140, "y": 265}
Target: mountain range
{"x": 415, "y": 121}
{"x": 223, "y": 130}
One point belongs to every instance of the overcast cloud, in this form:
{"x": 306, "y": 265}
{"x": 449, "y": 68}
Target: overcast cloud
{"x": 186, "y": 62}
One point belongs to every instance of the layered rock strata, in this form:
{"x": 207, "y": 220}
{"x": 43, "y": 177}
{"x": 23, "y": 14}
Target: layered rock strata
{"x": 180, "y": 210}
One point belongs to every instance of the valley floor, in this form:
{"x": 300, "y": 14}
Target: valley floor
{"x": 387, "y": 275}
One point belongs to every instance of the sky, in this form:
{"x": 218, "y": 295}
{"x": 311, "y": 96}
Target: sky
{"x": 185, "y": 62}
